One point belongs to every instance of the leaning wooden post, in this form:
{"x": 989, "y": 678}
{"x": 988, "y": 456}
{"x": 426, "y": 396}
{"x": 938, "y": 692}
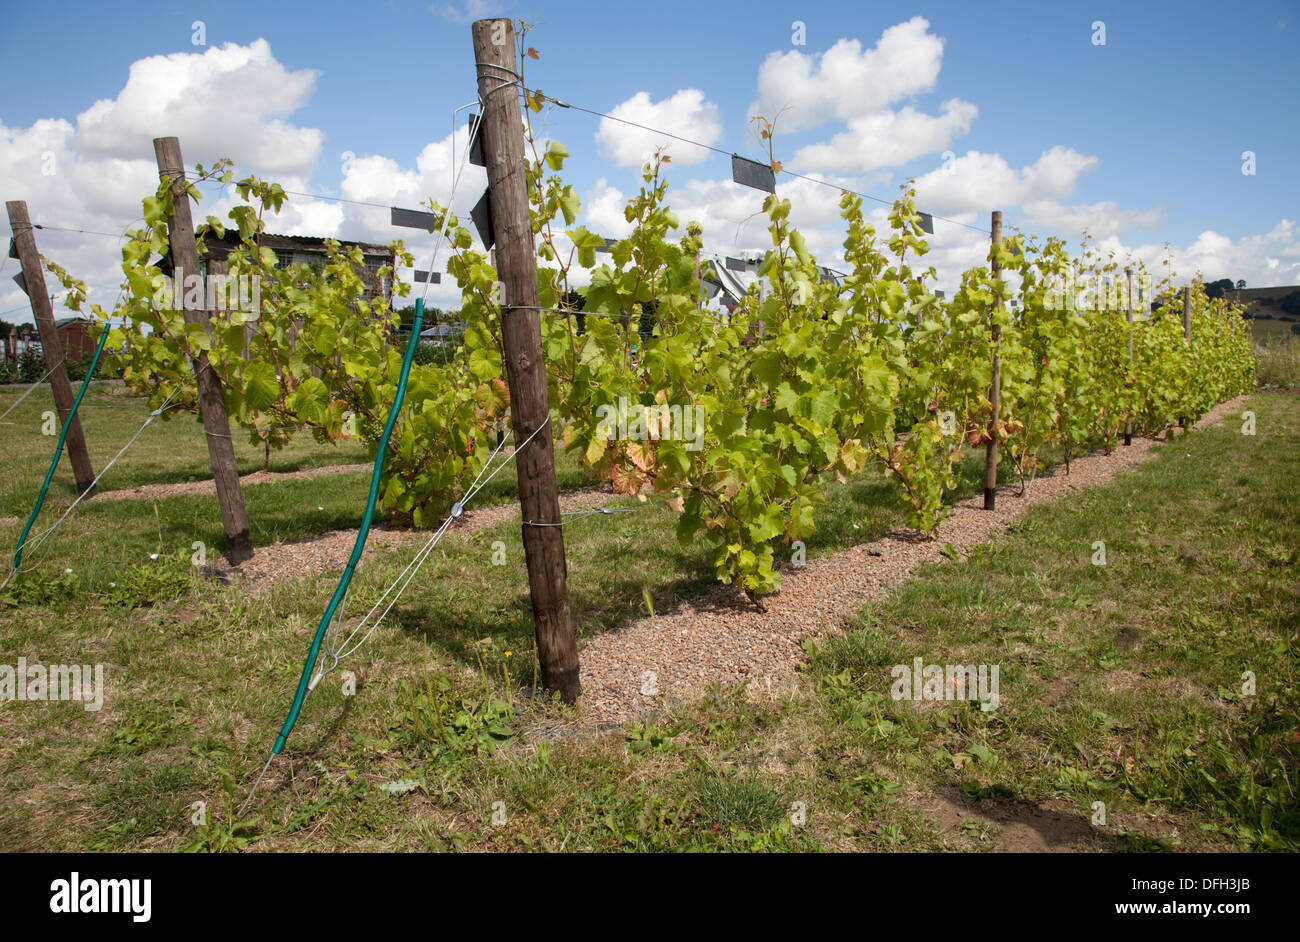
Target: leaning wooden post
{"x": 1128, "y": 315}
{"x": 521, "y": 329}
{"x": 995, "y": 388}
{"x": 1187, "y": 333}
{"x": 38, "y": 295}
{"x": 212, "y": 406}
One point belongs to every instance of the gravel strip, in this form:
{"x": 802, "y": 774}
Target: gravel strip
{"x": 328, "y": 553}
{"x": 720, "y": 638}
{"x": 208, "y": 488}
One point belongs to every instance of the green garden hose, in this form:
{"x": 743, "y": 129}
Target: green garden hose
{"x": 304, "y": 681}
{"x": 58, "y": 450}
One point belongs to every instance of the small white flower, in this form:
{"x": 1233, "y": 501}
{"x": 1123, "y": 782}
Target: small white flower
{"x": 112, "y": 585}
{"x": 318, "y": 507}
{"x": 68, "y": 571}
{"x": 153, "y": 555}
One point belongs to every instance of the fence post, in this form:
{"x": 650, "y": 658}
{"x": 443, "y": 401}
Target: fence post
{"x": 34, "y": 280}
{"x": 212, "y": 407}
{"x": 1128, "y": 315}
{"x": 995, "y": 388}
{"x": 539, "y": 500}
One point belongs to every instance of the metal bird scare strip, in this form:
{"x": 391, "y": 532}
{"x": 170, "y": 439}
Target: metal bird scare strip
{"x": 752, "y": 173}
{"x": 482, "y": 216}
{"x": 413, "y": 219}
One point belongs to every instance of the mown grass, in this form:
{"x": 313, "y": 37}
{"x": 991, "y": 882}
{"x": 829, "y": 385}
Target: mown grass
{"x": 441, "y": 747}
{"x": 173, "y": 450}
{"x": 1126, "y": 683}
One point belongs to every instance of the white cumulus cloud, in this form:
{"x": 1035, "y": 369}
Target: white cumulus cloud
{"x": 848, "y": 81}
{"x": 229, "y": 101}
{"x": 687, "y": 114}
{"x": 978, "y": 181}
{"x": 888, "y": 138}
{"x": 1099, "y": 220}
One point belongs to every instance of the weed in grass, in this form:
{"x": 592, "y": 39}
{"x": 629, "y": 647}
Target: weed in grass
{"x": 876, "y": 786}
{"x": 41, "y": 587}
{"x": 147, "y": 727}
{"x": 642, "y": 739}
{"x": 437, "y": 719}
{"x": 221, "y": 832}
{"x": 1248, "y": 795}
{"x": 643, "y": 820}
{"x": 147, "y": 583}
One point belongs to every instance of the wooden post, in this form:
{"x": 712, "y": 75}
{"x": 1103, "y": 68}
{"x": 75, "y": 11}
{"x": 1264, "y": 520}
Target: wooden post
{"x": 212, "y": 407}
{"x": 995, "y": 388}
{"x": 34, "y": 278}
{"x": 1187, "y": 338}
{"x": 1128, "y": 315}
{"x": 539, "y": 500}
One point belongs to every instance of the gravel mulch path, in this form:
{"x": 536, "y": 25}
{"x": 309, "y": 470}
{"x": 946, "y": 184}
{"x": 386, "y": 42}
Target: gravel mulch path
{"x": 208, "y": 488}
{"x": 327, "y": 554}
{"x": 721, "y": 638}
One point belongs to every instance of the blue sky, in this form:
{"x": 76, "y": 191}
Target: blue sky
{"x": 1140, "y": 139}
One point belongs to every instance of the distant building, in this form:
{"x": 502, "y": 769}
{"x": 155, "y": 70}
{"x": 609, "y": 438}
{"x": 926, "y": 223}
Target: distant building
{"x": 291, "y": 251}
{"x": 15, "y": 339}
{"x": 76, "y": 338}
{"x": 298, "y": 250}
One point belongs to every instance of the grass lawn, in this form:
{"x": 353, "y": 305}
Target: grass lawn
{"x": 1119, "y": 684}
{"x": 1264, "y": 330}
{"x": 173, "y": 450}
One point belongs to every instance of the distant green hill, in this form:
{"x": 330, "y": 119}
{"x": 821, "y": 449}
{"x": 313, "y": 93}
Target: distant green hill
{"x": 1278, "y": 303}
{"x": 1275, "y": 311}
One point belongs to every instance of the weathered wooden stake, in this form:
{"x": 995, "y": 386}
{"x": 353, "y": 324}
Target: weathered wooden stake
{"x": 34, "y": 278}
{"x": 539, "y": 500}
{"x": 1187, "y": 336}
{"x": 212, "y": 406}
{"x": 995, "y": 388}
{"x": 1128, "y": 315}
